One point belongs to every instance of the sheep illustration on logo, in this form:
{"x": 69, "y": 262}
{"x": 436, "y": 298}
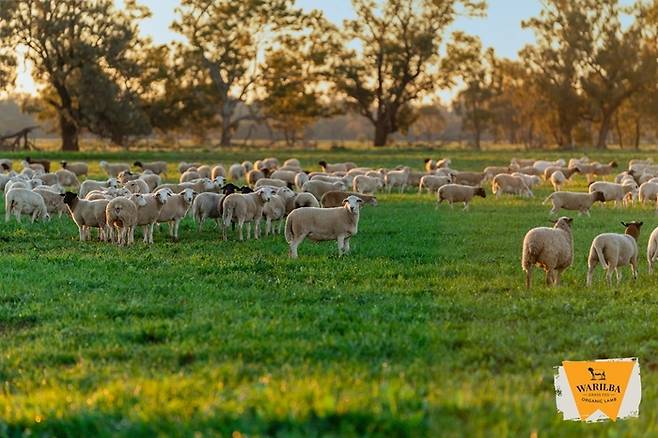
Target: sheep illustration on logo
{"x": 596, "y": 374}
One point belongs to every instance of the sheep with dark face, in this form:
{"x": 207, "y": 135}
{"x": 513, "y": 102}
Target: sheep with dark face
{"x": 157, "y": 167}
{"x": 88, "y": 214}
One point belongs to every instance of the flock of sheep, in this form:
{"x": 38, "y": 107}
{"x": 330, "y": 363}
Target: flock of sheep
{"x": 317, "y": 205}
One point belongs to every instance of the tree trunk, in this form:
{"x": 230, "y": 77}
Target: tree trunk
{"x": 227, "y": 135}
{"x": 604, "y": 129}
{"x": 381, "y": 133}
{"x": 69, "y": 133}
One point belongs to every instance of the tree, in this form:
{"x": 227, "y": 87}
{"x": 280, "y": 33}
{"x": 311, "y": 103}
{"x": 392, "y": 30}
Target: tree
{"x": 225, "y": 39}
{"x": 84, "y": 56}
{"x": 467, "y": 62}
{"x": 430, "y": 122}
{"x": 399, "y": 44}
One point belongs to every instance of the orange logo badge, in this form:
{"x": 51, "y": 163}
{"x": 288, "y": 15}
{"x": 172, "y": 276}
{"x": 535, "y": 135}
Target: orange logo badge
{"x": 598, "y": 390}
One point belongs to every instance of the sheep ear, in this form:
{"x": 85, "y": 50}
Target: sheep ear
{"x": 624, "y": 223}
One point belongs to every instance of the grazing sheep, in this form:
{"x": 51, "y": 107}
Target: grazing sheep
{"x": 275, "y": 210}
{"x": 522, "y": 162}
{"x": 121, "y": 220}
{"x": 614, "y": 192}
{"x": 300, "y": 179}
{"x": 87, "y": 214}
{"x": 652, "y": 249}
{"x": 541, "y": 165}
{"x": 114, "y": 169}
{"x": 236, "y": 171}
{"x": 183, "y": 166}
{"x": 137, "y": 186}
{"x": 79, "y": 168}
{"x": 45, "y": 164}
{"x": 593, "y": 169}
{"x": 218, "y": 170}
{"x": 206, "y": 206}
{"x": 66, "y": 178}
{"x": 568, "y": 172}
{"x": 157, "y": 167}
{"x": 433, "y": 183}
{"x": 30, "y": 169}
{"x": 303, "y": 200}
{"x": 581, "y": 202}
{"x": 366, "y": 184}
{"x": 292, "y": 162}
{"x": 205, "y": 171}
{"x": 319, "y": 188}
{"x": 48, "y": 179}
{"x": 557, "y": 178}
{"x": 176, "y": 208}
{"x": 531, "y": 171}
{"x": 458, "y": 193}
{"x": 491, "y": 171}
{"x": 189, "y": 175}
{"x": 336, "y": 167}
{"x": 321, "y": 224}
{"x": 199, "y": 186}
{"x": 53, "y": 200}
{"x": 504, "y": 183}
{"x": 473, "y": 179}
{"x": 152, "y": 180}
{"x": 613, "y": 251}
{"x": 336, "y": 198}
{"x": 648, "y": 192}
{"x": 254, "y": 175}
{"x": 550, "y": 249}
{"x": 24, "y": 201}
{"x": 89, "y": 184}
{"x": 530, "y": 180}
{"x": 247, "y": 166}
{"x": 604, "y": 169}
{"x": 126, "y": 175}
{"x": 285, "y": 175}
{"x": 245, "y": 208}
{"x": 396, "y": 178}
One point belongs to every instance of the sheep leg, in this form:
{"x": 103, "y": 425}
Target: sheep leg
{"x": 528, "y": 278}
{"x": 34, "y": 215}
{"x": 549, "y": 276}
{"x": 634, "y": 268}
{"x": 82, "y": 234}
{"x": 257, "y": 229}
{"x": 556, "y": 277}
{"x": 240, "y": 223}
{"x": 151, "y": 229}
{"x": 466, "y": 206}
{"x": 346, "y": 246}
{"x": 176, "y": 226}
{"x": 608, "y": 275}
{"x": 341, "y": 244}
{"x": 268, "y": 226}
{"x": 294, "y": 243}
{"x": 17, "y": 213}
{"x": 590, "y": 271}
{"x": 145, "y": 232}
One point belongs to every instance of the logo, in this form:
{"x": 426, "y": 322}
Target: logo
{"x": 598, "y": 390}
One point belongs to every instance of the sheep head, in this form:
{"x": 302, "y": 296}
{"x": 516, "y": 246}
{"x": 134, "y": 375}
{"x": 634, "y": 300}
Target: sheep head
{"x": 352, "y": 204}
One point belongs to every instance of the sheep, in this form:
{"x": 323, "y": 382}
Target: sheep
{"x": 604, "y": 169}
{"x": 149, "y": 207}
{"x": 335, "y": 198}
{"x": 531, "y": 171}
{"x": 582, "y": 202}
{"x": 303, "y": 200}
{"x": 568, "y": 172}
{"x": 443, "y": 163}
{"x": 137, "y": 186}
{"x": 236, "y": 171}
{"x": 126, "y": 175}
{"x": 652, "y": 249}
{"x": 473, "y": 179}
{"x": 48, "y": 179}
{"x": 183, "y": 166}
{"x": 121, "y": 220}
{"x": 206, "y": 206}
{"x": 157, "y": 167}
{"x": 433, "y": 183}
{"x": 522, "y": 162}
{"x": 397, "y": 178}
{"x": 327, "y": 167}
{"x": 67, "y": 178}
{"x": 541, "y": 165}
{"x": 175, "y": 209}
{"x": 79, "y": 168}
{"x": 270, "y": 163}
{"x": 247, "y": 208}
{"x": 275, "y": 210}
{"x": 20, "y": 200}
{"x": 205, "y": 171}
{"x": 6, "y": 164}
{"x": 217, "y": 170}
{"x": 45, "y": 164}
{"x": 530, "y": 180}
{"x": 271, "y": 182}
{"x": 366, "y": 184}
{"x": 429, "y": 165}
{"x": 114, "y": 169}
{"x": 612, "y": 191}
{"x": 504, "y": 183}
{"x": 53, "y": 200}
{"x": 300, "y": 179}
{"x": 292, "y": 162}
{"x": 87, "y": 214}
{"x": 247, "y": 166}
{"x": 89, "y": 184}
{"x": 254, "y": 175}
{"x": 189, "y": 175}
{"x": 614, "y": 250}
{"x": 152, "y": 180}
{"x": 108, "y": 193}
{"x": 550, "y": 249}
{"x": 458, "y": 193}
{"x": 199, "y": 186}
{"x": 321, "y": 224}
{"x": 491, "y": 171}
{"x": 4, "y": 179}
{"x": 557, "y": 178}
{"x": 331, "y": 179}
{"x": 285, "y": 175}
{"x": 592, "y": 169}
{"x": 319, "y": 188}
{"x": 648, "y": 192}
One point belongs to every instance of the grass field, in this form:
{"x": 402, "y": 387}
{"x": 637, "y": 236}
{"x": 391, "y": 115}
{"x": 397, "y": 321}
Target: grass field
{"x": 424, "y": 330}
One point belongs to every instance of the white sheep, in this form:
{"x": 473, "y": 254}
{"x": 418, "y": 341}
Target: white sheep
{"x": 114, "y": 169}
{"x": 175, "y": 209}
{"x": 25, "y": 201}
{"x": 245, "y": 208}
{"x": 397, "y": 178}
{"x": 581, "y": 202}
{"x": 530, "y": 180}
{"x": 137, "y": 186}
{"x": 614, "y": 192}
{"x": 87, "y": 214}
{"x": 433, "y": 183}
{"x": 652, "y": 249}
{"x": 504, "y": 183}
{"x": 300, "y": 179}
{"x": 183, "y": 166}
{"x": 648, "y": 192}
{"x": 275, "y": 210}
{"x": 321, "y": 224}
{"x": 236, "y": 171}
{"x": 78, "y": 168}
{"x": 189, "y": 175}
{"x": 89, "y": 184}
{"x": 557, "y": 178}
{"x": 206, "y": 206}
{"x": 366, "y": 184}
{"x": 548, "y": 248}
{"x": 157, "y": 167}
{"x": 152, "y": 180}
{"x": 217, "y": 170}
{"x": 270, "y": 182}
{"x": 121, "y": 220}
{"x": 318, "y": 188}
{"x": 613, "y": 251}
{"x": 53, "y": 200}
{"x": 149, "y": 207}
{"x": 458, "y": 193}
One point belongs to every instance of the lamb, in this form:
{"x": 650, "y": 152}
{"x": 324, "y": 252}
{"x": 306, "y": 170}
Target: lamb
{"x": 366, "y": 184}
{"x": 175, "y": 209}
{"x": 157, "y": 167}
{"x": 20, "y": 200}
{"x": 336, "y": 167}
{"x": 550, "y": 249}
{"x": 504, "y": 183}
{"x": 614, "y": 250}
{"x": 473, "y": 179}
{"x": 397, "y": 178}
{"x": 217, "y": 170}
{"x": 53, "y": 200}
{"x": 67, "y": 178}
{"x": 336, "y": 198}
{"x": 458, "y": 193}
{"x": 183, "y": 166}
{"x": 79, "y": 168}
{"x": 190, "y": 175}
{"x": 121, "y": 220}
{"x": 149, "y": 207}
{"x": 433, "y": 183}
{"x": 275, "y": 210}
{"x": 321, "y": 224}
{"x": 319, "y": 188}
{"x": 612, "y": 191}
{"x": 114, "y": 169}
{"x": 89, "y": 184}
{"x": 271, "y": 182}
{"x": 206, "y": 206}
{"x": 87, "y": 214}
{"x": 137, "y": 186}
{"x": 557, "y": 178}
{"x": 245, "y": 208}
{"x": 581, "y": 202}
{"x": 45, "y": 164}
{"x": 236, "y": 171}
